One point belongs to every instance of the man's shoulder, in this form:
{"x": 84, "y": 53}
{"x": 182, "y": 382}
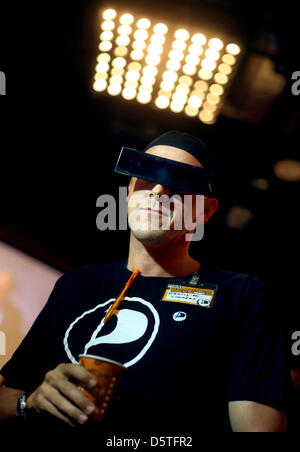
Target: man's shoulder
{"x": 93, "y": 271}
{"x": 232, "y": 278}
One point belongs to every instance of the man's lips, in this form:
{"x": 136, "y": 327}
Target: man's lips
{"x": 154, "y": 211}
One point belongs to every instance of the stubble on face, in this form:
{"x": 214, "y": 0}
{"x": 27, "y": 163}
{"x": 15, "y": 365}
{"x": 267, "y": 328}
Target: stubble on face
{"x": 150, "y": 220}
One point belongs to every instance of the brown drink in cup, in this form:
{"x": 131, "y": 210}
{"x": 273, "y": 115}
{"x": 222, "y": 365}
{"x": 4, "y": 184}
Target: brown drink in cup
{"x": 108, "y": 373}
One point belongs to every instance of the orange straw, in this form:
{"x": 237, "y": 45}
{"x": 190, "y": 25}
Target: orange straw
{"x": 112, "y": 310}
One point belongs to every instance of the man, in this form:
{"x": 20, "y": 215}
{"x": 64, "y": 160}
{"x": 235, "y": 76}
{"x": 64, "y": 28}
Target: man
{"x": 217, "y": 364}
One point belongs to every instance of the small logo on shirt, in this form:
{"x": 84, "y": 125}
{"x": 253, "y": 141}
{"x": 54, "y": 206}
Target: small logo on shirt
{"x": 179, "y": 316}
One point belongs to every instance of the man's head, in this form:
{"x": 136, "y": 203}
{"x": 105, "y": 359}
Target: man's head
{"x": 158, "y": 201}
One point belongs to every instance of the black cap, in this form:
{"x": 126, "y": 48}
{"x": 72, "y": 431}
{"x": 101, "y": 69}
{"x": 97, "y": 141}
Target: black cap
{"x": 186, "y": 142}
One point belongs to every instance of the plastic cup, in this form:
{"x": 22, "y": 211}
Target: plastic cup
{"x": 108, "y": 374}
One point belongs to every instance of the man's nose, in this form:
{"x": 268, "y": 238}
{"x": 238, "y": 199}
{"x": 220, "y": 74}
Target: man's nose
{"x": 159, "y": 190}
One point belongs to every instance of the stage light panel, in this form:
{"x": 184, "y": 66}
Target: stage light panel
{"x": 129, "y": 93}
{"x": 105, "y": 46}
{"x": 185, "y": 80}
{"x": 123, "y": 40}
{"x": 152, "y": 59}
{"x": 192, "y": 59}
{"x": 155, "y": 48}
{"x": 170, "y": 76}
{"x": 189, "y": 69}
{"x": 158, "y": 39}
{"x": 150, "y": 70}
{"x": 201, "y": 85}
{"x": 126, "y": 19}
{"x": 114, "y": 89}
{"x": 208, "y": 64}
{"x": 134, "y": 66}
{"x": 160, "y": 29}
{"x": 221, "y": 78}
{"x": 179, "y": 45}
{"x": 103, "y": 57}
{"x": 118, "y": 62}
{"x": 167, "y": 85}
{"x": 209, "y": 106}
{"x": 163, "y": 92}
{"x": 179, "y": 97}
{"x": 139, "y": 45}
{"x": 176, "y": 55}
{"x": 183, "y": 88}
{"x": 108, "y": 25}
{"x": 198, "y": 92}
{"x": 179, "y": 68}
{"x": 117, "y": 71}
{"x": 106, "y": 36}
{"x": 194, "y": 101}
{"x": 147, "y": 88}
{"x": 205, "y": 74}
{"x": 162, "y": 102}
{"x": 143, "y": 97}
{"x": 99, "y": 76}
{"x": 148, "y": 79}
{"x": 141, "y": 35}
{"x": 102, "y": 67}
{"x": 212, "y": 54}
{"x": 191, "y": 111}
{"x": 100, "y": 85}
{"x": 228, "y": 59}
{"x": 199, "y": 39}
{"x": 195, "y": 49}
{"x": 212, "y": 98}
{"x": 143, "y": 23}
{"x": 182, "y": 35}
{"x": 137, "y": 55}
{"x": 131, "y": 84}
{"x": 215, "y": 44}
{"x": 173, "y": 65}
{"x": 234, "y": 49}
{"x": 109, "y": 14}
{"x": 224, "y": 68}
{"x": 121, "y": 51}
{"x": 116, "y": 79}
{"x": 176, "y": 107}
{"x": 132, "y": 76}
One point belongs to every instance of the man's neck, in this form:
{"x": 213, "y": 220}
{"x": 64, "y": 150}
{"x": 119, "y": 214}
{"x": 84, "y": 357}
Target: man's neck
{"x": 155, "y": 261}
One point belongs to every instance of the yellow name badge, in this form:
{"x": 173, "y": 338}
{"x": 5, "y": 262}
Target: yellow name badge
{"x": 198, "y": 296}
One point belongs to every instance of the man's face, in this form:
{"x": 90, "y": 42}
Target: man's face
{"x": 156, "y": 214}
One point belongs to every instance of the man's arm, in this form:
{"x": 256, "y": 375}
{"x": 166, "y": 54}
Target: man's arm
{"x": 8, "y": 400}
{"x": 56, "y": 395}
{"x": 246, "y": 416}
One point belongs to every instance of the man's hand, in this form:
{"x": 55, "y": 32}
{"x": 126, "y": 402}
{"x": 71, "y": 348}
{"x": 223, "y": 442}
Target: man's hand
{"x": 61, "y": 398}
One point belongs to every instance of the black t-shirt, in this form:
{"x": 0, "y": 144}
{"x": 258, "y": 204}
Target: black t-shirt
{"x": 185, "y": 361}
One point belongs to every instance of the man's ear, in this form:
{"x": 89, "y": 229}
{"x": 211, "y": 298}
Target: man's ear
{"x": 210, "y": 207}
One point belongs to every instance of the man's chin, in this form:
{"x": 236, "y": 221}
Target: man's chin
{"x": 150, "y": 237}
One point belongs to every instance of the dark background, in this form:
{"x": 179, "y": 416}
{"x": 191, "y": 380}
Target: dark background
{"x": 60, "y": 140}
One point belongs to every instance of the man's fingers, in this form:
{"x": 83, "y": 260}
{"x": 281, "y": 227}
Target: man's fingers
{"x": 72, "y": 392}
{"x": 79, "y": 373}
{"x": 50, "y": 408}
{"x": 62, "y": 405}
{"x": 62, "y": 398}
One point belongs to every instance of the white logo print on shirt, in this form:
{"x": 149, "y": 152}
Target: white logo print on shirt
{"x": 131, "y": 325}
